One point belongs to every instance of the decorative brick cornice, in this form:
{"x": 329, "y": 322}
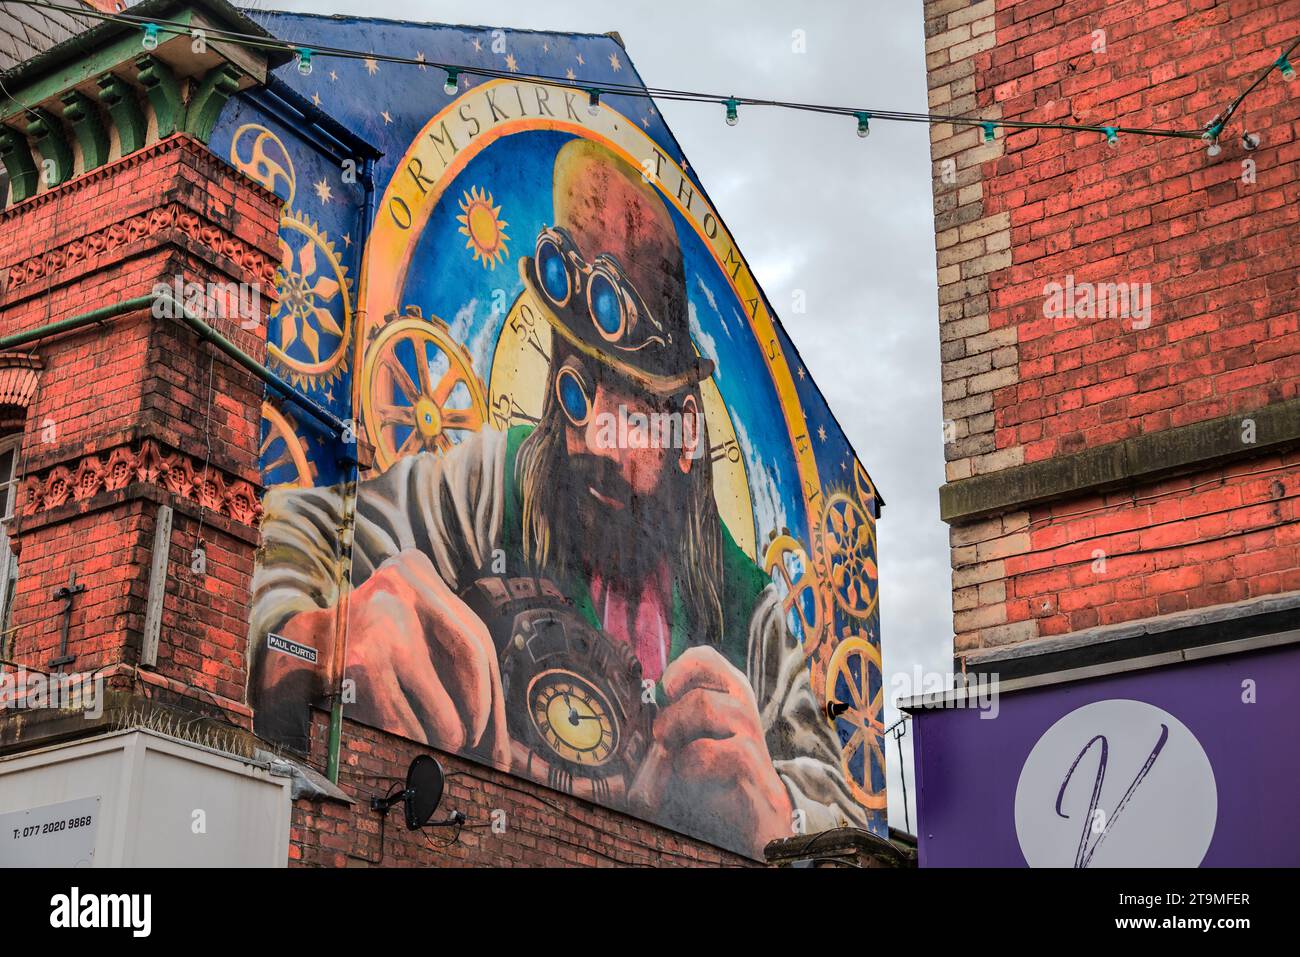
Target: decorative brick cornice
{"x": 149, "y": 462}
{"x": 205, "y": 161}
{"x": 87, "y": 249}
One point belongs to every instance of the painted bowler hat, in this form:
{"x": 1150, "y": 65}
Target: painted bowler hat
{"x": 611, "y": 272}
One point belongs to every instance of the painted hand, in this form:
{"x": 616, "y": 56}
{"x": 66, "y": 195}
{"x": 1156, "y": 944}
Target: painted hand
{"x": 708, "y": 769}
{"x": 424, "y": 664}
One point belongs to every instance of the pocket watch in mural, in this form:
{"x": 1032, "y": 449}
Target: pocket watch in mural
{"x": 418, "y": 388}
{"x": 574, "y": 697}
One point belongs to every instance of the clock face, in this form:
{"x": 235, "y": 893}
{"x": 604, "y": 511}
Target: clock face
{"x": 573, "y": 717}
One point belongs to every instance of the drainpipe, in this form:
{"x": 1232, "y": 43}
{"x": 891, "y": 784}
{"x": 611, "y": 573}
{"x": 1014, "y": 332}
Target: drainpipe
{"x": 168, "y": 306}
{"x": 346, "y": 532}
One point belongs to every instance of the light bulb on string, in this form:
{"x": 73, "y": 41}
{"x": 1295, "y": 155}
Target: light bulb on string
{"x": 1112, "y": 136}
{"x": 733, "y": 114}
{"x": 150, "y": 39}
{"x": 864, "y": 124}
{"x": 1214, "y": 149}
{"x": 452, "y": 84}
{"x": 1249, "y": 141}
{"x": 1284, "y": 64}
{"x": 593, "y": 102}
{"x": 989, "y": 132}
{"x": 304, "y": 60}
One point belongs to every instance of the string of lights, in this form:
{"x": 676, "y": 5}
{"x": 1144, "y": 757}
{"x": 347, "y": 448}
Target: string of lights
{"x": 153, "y": 31}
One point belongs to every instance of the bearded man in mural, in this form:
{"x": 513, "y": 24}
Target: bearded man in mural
{"x": 629, "y": 539}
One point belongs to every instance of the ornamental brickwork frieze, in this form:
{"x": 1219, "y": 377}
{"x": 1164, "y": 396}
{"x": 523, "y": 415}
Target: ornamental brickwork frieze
{"x": 257, "y": 266}
{"x": 174, "y": 471}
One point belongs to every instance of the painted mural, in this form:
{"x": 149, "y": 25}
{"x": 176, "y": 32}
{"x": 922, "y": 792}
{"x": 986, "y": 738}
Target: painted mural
{"x": 612, "y": 539}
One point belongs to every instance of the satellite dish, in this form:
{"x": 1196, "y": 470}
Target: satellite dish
{"x": 421, "y": 796}
{"x": 424, "y": 781}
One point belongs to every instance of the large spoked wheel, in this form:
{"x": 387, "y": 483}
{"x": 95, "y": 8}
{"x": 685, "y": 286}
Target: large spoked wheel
{"x": 854, "y": 684}
{"x": 419, "y": 390}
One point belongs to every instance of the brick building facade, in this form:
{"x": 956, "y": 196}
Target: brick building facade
{"x": 1163, "y": 443}
{"x": 1119, "y": 323}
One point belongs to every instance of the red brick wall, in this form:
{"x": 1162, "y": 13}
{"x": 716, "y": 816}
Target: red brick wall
{"x": 542, "y": 828}
{"x": 1219, "y": 252}
{"x": 1220, "y": 255}
{"x": 136, "y": 412}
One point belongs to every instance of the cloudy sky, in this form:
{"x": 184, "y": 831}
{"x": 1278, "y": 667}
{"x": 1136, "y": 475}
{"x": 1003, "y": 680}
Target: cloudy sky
{"x": 846, "y": 221}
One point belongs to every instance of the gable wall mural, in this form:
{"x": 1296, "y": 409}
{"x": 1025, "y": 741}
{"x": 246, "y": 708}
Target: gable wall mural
{"x": 613, "y": 539}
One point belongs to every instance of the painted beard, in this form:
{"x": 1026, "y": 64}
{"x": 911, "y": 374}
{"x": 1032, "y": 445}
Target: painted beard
{"x": 600, "y": 526}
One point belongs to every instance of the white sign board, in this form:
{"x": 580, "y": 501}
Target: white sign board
{"x": 1116, "y": 783}
{"x": 56, "y": 835}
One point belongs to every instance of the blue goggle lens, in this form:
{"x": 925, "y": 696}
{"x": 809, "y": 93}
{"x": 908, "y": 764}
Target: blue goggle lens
{"x": 572, "y": 396}
{"x": 606, "y": 310}
{"x": 550, "y": 269}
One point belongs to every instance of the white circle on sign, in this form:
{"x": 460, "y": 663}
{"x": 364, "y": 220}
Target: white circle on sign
{"x": 1153, "y": 803}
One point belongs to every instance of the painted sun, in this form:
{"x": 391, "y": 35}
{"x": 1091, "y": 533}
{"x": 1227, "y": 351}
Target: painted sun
{"x": 481, "y": 222}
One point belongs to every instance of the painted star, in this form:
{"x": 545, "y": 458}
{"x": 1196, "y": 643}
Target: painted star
{"x": 511, "y": 63}
{"x": 333, "y": 77}
{"x": 323, "y": 191}
{"x": 387, "y": 117}
{"x": 329, "y": 395}
{"x": 347, "y": 240}
{"x": 546, "y": 47}
{"x": 613, "y": 62}
{"x": 478, "y": 45}
{"x": 569, "y": 74}
{"x": 645, "y": 122}
{"x": 821, "y": 432}
{"x": 372, "y": 65}
{"x": 581, "y": 61}
{"x": 315, "y": 98}
{"x": 420, "y": 57}
{"x": 652, "y": 111}
{"x": 802, "y": 374}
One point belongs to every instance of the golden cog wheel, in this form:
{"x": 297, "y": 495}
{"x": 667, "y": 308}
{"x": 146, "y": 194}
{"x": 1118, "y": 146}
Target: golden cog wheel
{"x": 309, "y": 340}
{"x": 855, "y": 689}
{"x": 787, "y": 564}
{"x": 418, "y": 388}
{"x": 283, "y": 454}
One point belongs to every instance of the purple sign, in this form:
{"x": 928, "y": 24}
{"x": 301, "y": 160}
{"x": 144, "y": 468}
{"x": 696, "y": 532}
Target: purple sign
{"x": 1195, "y": 764}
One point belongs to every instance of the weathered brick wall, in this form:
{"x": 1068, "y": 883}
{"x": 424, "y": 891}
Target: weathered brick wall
{"x": 537, "y": 827}
{"x": 1214, "y": 238}
{"x": 137, "y": 412}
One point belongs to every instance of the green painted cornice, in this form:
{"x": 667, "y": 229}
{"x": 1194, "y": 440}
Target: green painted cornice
{"x": 209, "y": 99}
{"x": 104, "y": 79}
{"x": 47, "y": 133}
{"x": 128, "y": 118}
{"x": 17, "y": 157}
{"x": 87, "y": 126}
{"x": 164, "y": 93}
